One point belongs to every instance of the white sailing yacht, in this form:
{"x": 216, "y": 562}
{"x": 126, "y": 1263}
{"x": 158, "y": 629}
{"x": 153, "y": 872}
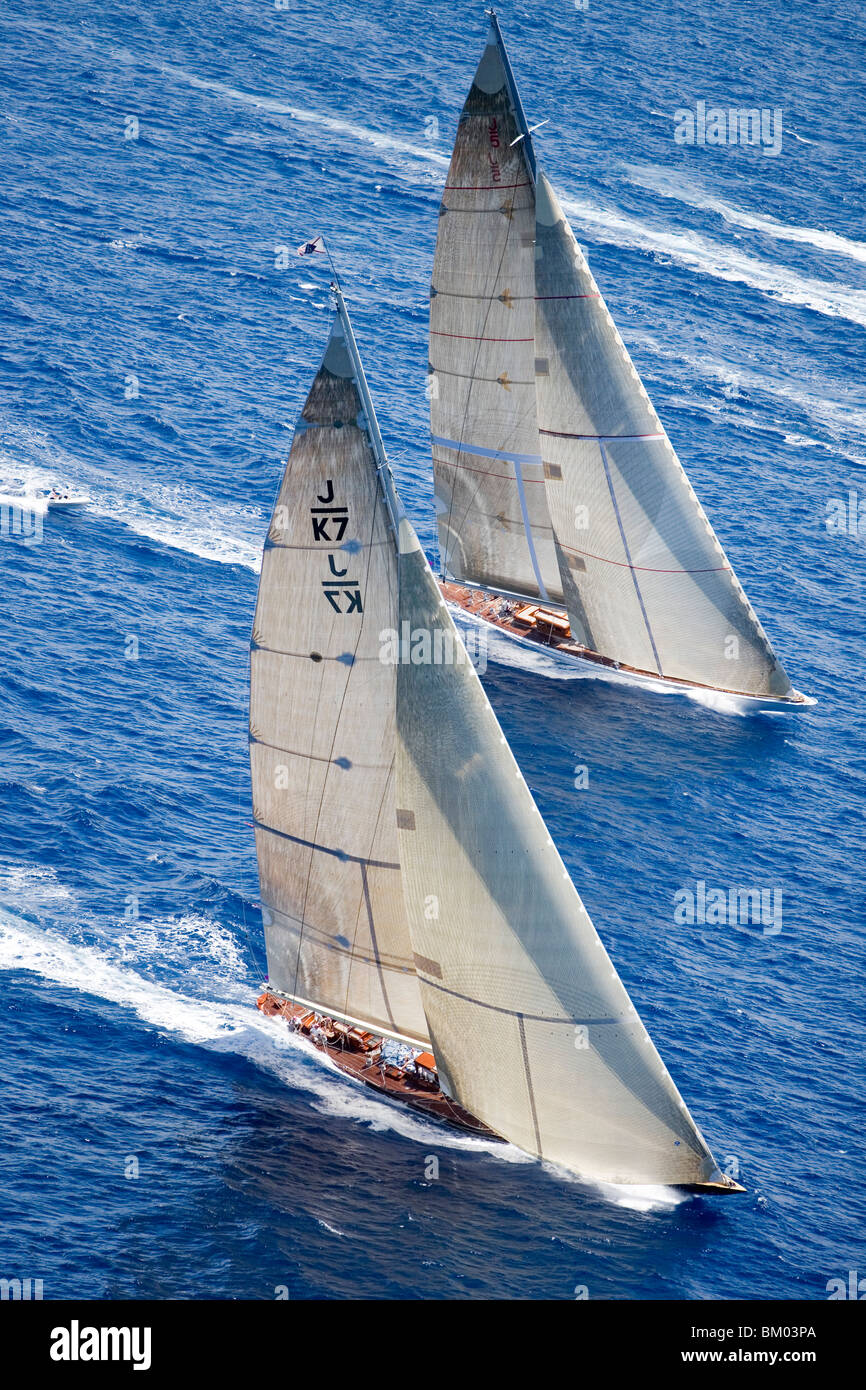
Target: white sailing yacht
{"x": 421, "y": 928}
{"x": 565, "y": 517}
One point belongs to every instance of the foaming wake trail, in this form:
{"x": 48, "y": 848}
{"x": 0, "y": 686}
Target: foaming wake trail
{"x": 379, "y": 139}
{"x": 638, "y": 1197}
{"x": 183, "y": 520}
{"x": 239, "y": 1029}
{"x": 685, "y": 190}
{"x": 695, "y": 252}
{"x": 208, "y": 952}
{"x": 507, "y": 651}
{"x": 219, "y": 1026}
{"x": 609, "y": 225}
{"x": 176, "y": 517}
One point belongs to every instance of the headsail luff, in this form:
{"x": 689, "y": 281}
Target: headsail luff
{"x": 533, "y": 1031}
{"x": 645, "y": 579}
{"x": 322, "y": 716}
{"x": 489, "y": 488}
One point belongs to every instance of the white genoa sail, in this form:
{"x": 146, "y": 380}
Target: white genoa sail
{"x": 532, "y": 1029}
{"x": 322, "y": 723}
{"x": 494, "y": 529}
{"x": 645, "y": 579}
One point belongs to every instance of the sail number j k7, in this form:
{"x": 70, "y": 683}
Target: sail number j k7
{"x": 330, "y": 521}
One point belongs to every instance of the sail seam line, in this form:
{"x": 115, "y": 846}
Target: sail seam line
{"x": 524, "y": 1049}
{"x": 473, "y": 376}
{"x": 473, "y": 187}
{"x": 644, "y": 569}
{"x": 305, "y": 656}
{"x": 371, "y": 545}
{"x": 478, "y": 338}
{"x": 604, "y": 438}
{"x": 512, "y": 1013}
{"x": 397, "y": 966}
{"x": 485, "y": 472}
{"x": 628, "y": 556}
{"x": 481, "y": 298}
{"x": 312, "y": 757}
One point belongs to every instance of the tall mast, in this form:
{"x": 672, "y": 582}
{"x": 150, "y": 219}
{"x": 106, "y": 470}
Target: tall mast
{"x": 322, "y": 716}
{"x": 383, "y": 468}
{"x": 519, "y": 113}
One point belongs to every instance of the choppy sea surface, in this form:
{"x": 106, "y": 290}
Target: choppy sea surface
{"x": 154, "y": 354}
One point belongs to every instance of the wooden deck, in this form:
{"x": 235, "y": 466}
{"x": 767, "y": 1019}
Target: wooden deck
{"x": 549, "y": 629}
{"x": 357, "y": 1052}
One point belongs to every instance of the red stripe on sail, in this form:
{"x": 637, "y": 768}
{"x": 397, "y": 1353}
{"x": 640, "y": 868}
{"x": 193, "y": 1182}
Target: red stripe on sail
{"x": 474, "y": 338}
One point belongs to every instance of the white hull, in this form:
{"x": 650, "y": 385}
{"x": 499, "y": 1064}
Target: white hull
{"x": 66, "y": 504}
{"x": 41, "y": 502}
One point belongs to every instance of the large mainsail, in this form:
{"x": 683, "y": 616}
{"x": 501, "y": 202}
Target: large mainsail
{"x": 494, "y": 529}
{"x": 547, "y": 451}
{"x": 645, "y": 579}
{"x": 322, "y": 718}
{"x": 532, "y": 1028}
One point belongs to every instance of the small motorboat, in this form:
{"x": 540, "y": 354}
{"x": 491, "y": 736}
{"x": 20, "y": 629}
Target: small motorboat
{"x": 59, "y": 498}
{"x": 65, "y": 499}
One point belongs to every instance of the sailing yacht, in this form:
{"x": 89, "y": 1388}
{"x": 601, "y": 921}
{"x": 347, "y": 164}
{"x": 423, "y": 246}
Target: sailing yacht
{"x": 565, "y": 518}
{"x": 421, "y": 928}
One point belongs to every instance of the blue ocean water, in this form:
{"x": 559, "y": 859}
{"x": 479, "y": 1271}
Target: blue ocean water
{"x": 153, "y": 354}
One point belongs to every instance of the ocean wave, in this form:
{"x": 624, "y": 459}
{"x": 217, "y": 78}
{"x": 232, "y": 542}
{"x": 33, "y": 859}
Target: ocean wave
{"x": 843, "y": 421}
{"x": 606, "y": 224}
{"x": 693, "y": 251}
{"x": 380, "y": 140}
{"x": 670, "y": 184}
{"x": 221, "y": 1026}
{"x": 177, "y": 517}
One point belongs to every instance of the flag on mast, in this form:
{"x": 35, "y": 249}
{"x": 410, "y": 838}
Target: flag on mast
{"x": 316, "y": 247}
